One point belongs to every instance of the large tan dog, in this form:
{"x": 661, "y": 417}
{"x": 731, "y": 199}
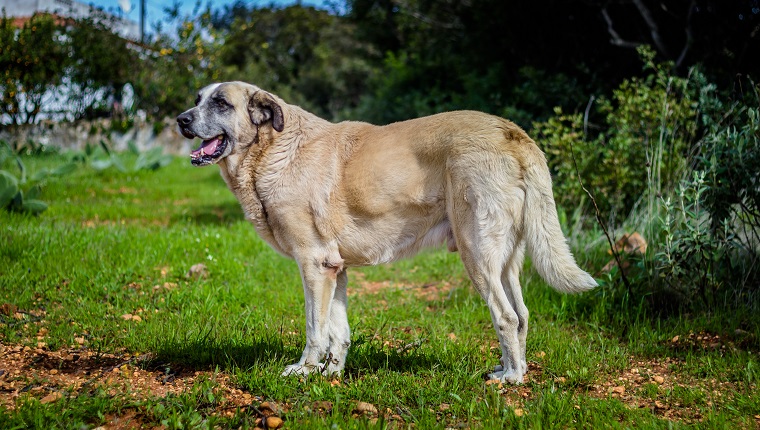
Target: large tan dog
{"x": 332, "y": 196}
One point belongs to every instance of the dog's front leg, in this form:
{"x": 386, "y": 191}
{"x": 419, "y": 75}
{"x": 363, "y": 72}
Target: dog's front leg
{"x": 319, "y": 278}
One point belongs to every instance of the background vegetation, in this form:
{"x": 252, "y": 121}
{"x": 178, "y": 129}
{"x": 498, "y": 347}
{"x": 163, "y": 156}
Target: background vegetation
{"x": 648, "y": 111}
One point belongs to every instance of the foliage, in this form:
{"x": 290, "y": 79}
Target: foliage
{"x": 691, "y": 259}
{"x": 306, "y": 55}
{"x": 12, "y": 196}
{"x": 101, "y": 157}
{"x": 102, "y": 63}
{"x": 710, "y": 241}
{"x": 33, "y": 61}
{"x": 177, "y": 65}
{"x": 71, "y": 69}
{"x": 647, "y": 129}
{"x": 703, "y": 231}
{"x": 730, "y": 155}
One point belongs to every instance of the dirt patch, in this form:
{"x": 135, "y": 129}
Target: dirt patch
{"x": 652, "y": 384}
{"x": 645, "y": 384}
{"x": 430, "y": 292}
{"x": 120, "y": 190}
{"x": 52, "y": 375}
{"x": 97, "y": 222}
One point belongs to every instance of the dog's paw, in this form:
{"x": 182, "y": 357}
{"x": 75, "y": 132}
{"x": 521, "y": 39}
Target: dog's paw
{"x": 303, "y": 369}
{"x": 511, "y": 376}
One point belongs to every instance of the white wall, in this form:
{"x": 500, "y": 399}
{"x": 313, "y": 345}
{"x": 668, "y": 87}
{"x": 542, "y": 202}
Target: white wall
{"x": 69, "y": 8}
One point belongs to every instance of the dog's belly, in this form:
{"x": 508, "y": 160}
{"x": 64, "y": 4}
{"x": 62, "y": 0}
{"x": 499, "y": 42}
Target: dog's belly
{"x": 391, "y": 240}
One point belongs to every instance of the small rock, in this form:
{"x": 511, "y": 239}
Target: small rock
{"x": 50, "y": 398}
{"x": 365, "y": 408}
{"x": 268, "y": 408}
{"x": 659, "y": 379}
{"x": 619, "y": 390}
{"x": 675, "y": 339}
{"x": 274, "y": 422}
{"x": 197, "y": 271}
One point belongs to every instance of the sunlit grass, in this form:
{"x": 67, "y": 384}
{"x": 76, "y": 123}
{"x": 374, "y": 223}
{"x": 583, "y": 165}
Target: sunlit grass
{"x": 114, "y": 243}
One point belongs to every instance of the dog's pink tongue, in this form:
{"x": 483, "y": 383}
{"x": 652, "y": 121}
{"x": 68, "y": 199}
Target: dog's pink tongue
{"x": 210, "y": 146}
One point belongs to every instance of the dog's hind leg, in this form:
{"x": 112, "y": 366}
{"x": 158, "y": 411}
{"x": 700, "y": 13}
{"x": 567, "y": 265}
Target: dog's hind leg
{"x": 510, "y": 281}
{"x": 484, "y": 256}
{"x": 485, "y": 208}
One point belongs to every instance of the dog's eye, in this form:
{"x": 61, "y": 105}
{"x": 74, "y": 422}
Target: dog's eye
{"x": 197, "y": 99}
{"x": 222, "y": 103}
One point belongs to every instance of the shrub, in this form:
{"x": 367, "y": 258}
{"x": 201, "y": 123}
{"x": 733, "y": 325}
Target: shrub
{"x": 20, "y": 193}
{"x": 704, "y": 236}
{"x": 710, "y": 241}
{"x": 648, "y": 125}
{"x": 690, "y": 155}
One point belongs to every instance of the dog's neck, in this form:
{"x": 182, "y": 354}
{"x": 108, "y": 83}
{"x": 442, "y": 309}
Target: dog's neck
{"x": 252, "y": 175}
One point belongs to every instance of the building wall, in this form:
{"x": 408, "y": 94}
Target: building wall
{"x": 75, "y": 135}
{"x": 68, "y": 8}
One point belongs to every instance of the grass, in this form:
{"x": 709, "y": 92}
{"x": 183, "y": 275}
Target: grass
{"x": 115, "y": 245}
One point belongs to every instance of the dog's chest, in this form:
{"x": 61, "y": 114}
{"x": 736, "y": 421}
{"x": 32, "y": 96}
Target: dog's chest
{"x": 243, "y": 186}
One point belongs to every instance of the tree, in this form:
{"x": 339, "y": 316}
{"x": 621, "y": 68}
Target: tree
{"x": 306, "y": 55}
{"x": 720, "y": 35}
{"x": 102, "y": 63}
{"x": 174, "y": 67}
{"x": 33, "y": 61}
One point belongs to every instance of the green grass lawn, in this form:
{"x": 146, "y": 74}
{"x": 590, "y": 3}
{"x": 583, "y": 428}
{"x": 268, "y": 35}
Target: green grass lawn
{"x": 101, "y": 326}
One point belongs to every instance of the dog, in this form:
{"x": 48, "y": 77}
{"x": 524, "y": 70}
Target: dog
{"x": 333, "y": 196}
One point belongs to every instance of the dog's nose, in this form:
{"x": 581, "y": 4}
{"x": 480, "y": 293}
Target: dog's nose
{"x": 185, "y": 119}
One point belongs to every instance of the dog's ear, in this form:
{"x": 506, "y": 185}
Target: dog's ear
{"x": 262, "y": 107}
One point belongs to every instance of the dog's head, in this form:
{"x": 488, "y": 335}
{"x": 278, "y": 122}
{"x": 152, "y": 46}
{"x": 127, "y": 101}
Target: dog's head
{"x": 228, "y": 118}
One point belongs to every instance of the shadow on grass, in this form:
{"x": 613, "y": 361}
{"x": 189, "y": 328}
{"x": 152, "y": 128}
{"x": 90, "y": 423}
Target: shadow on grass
{"x": 370, "y": 356}
{"x": 219, "y": 214}
{"x": 225, "y": 354}
{"x": 363, "y": 356}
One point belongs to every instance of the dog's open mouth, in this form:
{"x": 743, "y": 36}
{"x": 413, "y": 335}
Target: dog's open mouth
{"x": 209, "y": 151}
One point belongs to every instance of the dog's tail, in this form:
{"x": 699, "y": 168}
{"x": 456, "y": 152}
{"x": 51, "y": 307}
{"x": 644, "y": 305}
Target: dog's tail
{"x": 548, "y": 248}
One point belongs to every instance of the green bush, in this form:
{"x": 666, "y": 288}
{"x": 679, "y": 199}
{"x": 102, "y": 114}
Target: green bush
{"x": 709, "y": 245}
{"x": 20, "y": 193}
{"x": 676, "y": 160}
{"x": 704, "y": 235}
{"x": 32, "y": 61}
{"x": 640, "y": 146}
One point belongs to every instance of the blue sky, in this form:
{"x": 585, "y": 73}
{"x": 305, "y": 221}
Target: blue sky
{"x": 155, "y": 8}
